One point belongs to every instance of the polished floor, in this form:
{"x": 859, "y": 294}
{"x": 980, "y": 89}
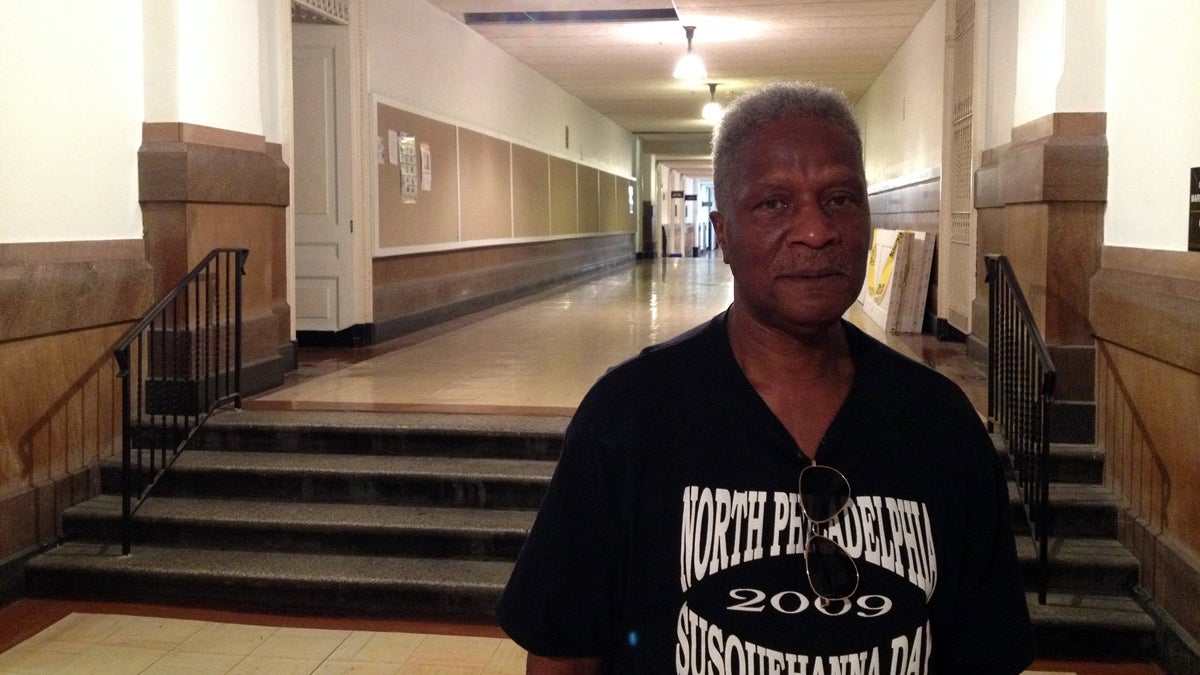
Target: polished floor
{"x": 537, "y": 356}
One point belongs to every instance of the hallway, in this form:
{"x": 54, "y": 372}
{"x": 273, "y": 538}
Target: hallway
{"x": 537, "y": 356}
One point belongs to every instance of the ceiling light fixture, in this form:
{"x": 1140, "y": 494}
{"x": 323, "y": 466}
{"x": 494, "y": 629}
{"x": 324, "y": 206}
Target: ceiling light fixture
{"x": 712, "y": 111}
{"x": 690, "y": 67}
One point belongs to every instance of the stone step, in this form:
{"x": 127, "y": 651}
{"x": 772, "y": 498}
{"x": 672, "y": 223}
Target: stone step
{"x": 1091, "y": 626}
{"x": 384, "y": 433}
{"x": 307, "y": 527}
{"x": 1069, "y": 625}
{"x": 421, "y": 516}
{"x": 1067, "y": 463}
{"x": 1076, "y": 463}
{"x": 310, "y": 583}
{"x": 365, "y": 479}
{"x": 1077, "y": 510}
{"x": 1080, "y": 565}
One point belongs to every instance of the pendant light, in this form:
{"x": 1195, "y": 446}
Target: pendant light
{"x": 712, "y": 111}
{"x": 690, "y": 67}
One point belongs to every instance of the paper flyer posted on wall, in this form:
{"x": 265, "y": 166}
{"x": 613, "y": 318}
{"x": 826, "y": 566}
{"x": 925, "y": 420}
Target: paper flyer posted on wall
{"x": 1194, "y": 212}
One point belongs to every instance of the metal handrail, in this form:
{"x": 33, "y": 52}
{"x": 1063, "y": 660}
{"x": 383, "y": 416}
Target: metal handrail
{"x": 177, "y": 365}
{"x": 1021, "y": 377}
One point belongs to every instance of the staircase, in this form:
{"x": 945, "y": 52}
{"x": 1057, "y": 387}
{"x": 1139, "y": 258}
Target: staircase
{"x": 341, "y": 513}
{"x": 422, "y": 516}
{"x": 1089, "y": 610}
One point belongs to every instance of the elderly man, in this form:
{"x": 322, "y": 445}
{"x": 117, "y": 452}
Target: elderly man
{"x": 774, "y": 491}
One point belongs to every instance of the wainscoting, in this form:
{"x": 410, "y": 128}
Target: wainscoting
{"x": 1145, "y": 307}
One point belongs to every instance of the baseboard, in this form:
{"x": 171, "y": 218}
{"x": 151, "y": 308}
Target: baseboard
{"x": 12, "y": 572}
{"x": 410, "y": 323}
{"x": 267, "y": 374}
{"x": 358, "y": 335}
{"x": 948, "y": 333}
{"x": 1177, "y": 651}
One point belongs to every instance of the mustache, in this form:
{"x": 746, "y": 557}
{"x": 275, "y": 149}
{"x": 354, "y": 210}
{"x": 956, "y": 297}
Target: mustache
{"x": 817, "y": 263}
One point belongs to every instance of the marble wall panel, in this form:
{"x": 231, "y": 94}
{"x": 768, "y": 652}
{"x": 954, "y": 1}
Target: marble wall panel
{"x": 1145, "y": 307}
{"x": 413, "y": 289}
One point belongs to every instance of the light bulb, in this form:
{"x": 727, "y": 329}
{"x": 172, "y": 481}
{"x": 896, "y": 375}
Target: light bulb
{"x": 689, "y": 66}
{"x": 712, "y": 112}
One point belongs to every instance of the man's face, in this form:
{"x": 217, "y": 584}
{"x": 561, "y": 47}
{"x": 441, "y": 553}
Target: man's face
{"x": 796, "y": 230}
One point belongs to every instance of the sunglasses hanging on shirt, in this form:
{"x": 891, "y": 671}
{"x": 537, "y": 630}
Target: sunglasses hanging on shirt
{"x": 832, "y": 574}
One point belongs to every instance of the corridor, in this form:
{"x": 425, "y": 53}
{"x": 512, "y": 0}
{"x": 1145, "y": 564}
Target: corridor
{"x": 537, "y": 356}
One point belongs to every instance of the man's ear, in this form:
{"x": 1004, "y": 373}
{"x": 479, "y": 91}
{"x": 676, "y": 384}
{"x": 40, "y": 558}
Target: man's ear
{"x": 719, "y": 225}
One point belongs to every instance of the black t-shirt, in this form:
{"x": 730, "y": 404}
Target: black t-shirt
{"x": 671, "y": 539}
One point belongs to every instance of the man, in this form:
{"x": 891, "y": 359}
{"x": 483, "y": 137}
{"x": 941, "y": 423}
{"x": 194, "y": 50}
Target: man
{"x": 775, "y": 492}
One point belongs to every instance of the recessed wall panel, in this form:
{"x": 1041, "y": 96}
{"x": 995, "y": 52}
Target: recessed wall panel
{"x": 589, "y": 199}
{"x": 486, "y": 190}
{"x": 564, "y": 197}
{"x": 531, "y": 192}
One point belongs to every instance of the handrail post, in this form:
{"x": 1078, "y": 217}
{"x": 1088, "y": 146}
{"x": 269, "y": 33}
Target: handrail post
{"x": 1021, "y": 379}
{"x": 177, "y": 394}
{"x": 237, "y": 328}
{"x": 122, "y": 357}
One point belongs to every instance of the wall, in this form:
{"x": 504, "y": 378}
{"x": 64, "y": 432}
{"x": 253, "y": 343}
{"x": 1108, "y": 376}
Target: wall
{"x": 901, "y": 114}
{"x": 1085, "y": 186}
{"x": 72, "y": 266}
{"x": 209, "y": 176}
{"x": 67, "y": 112}
{"x": 134, "y": 142}
{"x": 901, "y": 120}
{"x": 1040, "y": 189}
{"x": 428, "y": 62}
{"x": 1061, "y": 47}
{"x": 1152, "y": 133}
{"x": 1145, "y": 300}
{"x": 442, "y": 258}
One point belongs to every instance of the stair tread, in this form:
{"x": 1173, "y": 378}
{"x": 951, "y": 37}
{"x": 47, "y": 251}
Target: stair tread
{"x": 1094, "y": 552}
{"x": 364, "y": 465}
{"x": 360, "y": 422}
{"x": 315, "y": 515}
{"x": 1109, "y": 612}
{"x": 1071, "y": 494}
{"x": 301, "y": 568}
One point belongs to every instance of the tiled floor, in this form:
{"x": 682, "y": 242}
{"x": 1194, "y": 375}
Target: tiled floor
{"x": 118, "y": 643}
{"x": 536, "y": 356}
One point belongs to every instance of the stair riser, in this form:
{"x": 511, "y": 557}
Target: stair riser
{"x": 473, "y": 545}
{"x": 1074, "y": 520}
{"x": 335, "y": 597}
{"x": 1057, "y": 640}
{"x": 399, "y": 443}
{"x": 1074, "y": 422}
{"x": 1081, "y": 578}
{"x": 411, "y": 490}
{"x": 1067, "y": 470}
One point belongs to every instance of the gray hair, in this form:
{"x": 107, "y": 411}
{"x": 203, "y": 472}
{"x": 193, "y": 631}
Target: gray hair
{"x": 751, "y": 111}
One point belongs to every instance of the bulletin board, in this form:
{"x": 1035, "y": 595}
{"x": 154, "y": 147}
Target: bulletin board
{"x": 432, "y": 218}
{"x": 442, "y": 185}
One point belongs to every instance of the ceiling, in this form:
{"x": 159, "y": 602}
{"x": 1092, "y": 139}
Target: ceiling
{"x": 623, "y": 68}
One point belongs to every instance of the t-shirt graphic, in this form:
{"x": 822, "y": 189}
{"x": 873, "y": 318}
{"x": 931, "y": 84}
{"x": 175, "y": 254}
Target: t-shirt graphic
{"x": 747, "y": 604}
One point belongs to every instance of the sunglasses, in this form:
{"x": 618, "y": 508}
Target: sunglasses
{"x": 832, "y": 574}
